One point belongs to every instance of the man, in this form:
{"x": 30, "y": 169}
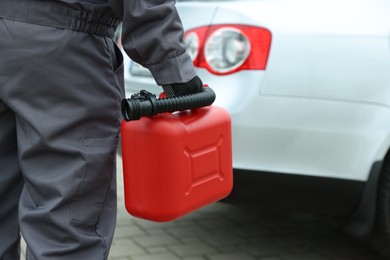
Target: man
{"x": 61, "y": 84}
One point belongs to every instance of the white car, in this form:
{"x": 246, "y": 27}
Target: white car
{"x": 307, "y": 84}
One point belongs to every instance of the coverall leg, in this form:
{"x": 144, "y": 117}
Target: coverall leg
{"x": 60, "y": 94}
{"x": 11, "y": 183}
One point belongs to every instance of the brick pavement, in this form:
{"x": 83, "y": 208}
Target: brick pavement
{"x": 227, "y": 232}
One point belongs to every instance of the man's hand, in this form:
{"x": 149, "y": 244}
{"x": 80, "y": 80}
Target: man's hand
{"x": 181, "y": 89}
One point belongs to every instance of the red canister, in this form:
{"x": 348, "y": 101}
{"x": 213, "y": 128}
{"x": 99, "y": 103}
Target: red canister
{"x": 175, "y": 163}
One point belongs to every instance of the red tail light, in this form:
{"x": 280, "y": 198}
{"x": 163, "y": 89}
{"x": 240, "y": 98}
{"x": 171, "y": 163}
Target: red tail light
{"x": 225, "y": 49}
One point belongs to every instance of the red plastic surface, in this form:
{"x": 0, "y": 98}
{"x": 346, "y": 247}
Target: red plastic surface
{"x": 176, "y": 163}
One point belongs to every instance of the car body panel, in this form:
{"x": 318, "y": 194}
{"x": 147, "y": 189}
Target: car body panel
{"x": 322, "y": 105}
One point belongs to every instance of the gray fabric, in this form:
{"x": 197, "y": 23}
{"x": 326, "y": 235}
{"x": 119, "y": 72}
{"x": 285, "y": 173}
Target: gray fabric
{"x": 99, "y": 20}
{"x": 146, "y": 25}
{"x": 60, "y": 93}
{"x": 61, "y": 90}
{"x": 10, "y": 186}
{"x": 151, "y": 23}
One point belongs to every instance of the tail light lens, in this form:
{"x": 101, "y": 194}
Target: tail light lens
{"x": 225, "y": 49}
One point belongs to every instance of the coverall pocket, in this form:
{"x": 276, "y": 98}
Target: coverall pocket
{"x": 96, "y": 180}
{"x": 115, "y": 54}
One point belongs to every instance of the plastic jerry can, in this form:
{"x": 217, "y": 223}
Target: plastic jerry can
{"x": 175, "y": 163}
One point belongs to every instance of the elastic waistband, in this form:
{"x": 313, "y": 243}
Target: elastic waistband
{"x": 99, "y": 20}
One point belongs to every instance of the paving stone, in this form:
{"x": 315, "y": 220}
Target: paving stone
{"x": 167, "y": 256}
{"x": 157, "y": 250}
{"x": 193, "y": 258}
{"x": 223, "y": 238}
{"x": 150, "y": 225}
{"x": 308, "y": 255}
{"x": 189, "y": 240}
{"x": 222, "y": 231}
{"x": 271, "y": 258}
{"x": 158, "y": 240}
{"x": 196, "y": 249}
{"x": 263, "y": 249}
{"x": 128, "y": 231}
{"x": 293, "y": 241}
{"x": 253, "y": 230}
{"x": 229, "y": 249}
{"x": 231, "y": 256}
{"x": 125, "y": 247}
{"x": 187, "y": 231}
{"x": 215, "y": 224}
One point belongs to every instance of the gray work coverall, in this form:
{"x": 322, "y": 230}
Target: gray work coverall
{"x": 61, "y": 84}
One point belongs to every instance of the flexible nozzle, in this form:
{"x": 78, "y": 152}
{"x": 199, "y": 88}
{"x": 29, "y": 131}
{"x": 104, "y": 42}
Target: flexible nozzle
{"x": 145, "y": 103}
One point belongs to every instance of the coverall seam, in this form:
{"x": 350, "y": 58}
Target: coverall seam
{"x": 49, "y": 25}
